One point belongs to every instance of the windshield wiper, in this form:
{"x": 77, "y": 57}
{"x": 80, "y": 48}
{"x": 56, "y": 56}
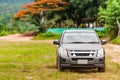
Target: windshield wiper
{"x": 92, "y": 42}
{"x": 77, "y": 42}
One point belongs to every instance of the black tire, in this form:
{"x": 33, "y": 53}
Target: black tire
{"x": 101, "y": 69}
{"x": 59, "y": 67}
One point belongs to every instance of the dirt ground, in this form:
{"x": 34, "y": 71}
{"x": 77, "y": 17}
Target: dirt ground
{"x": 112, "y": 50}
{"x": 16, "y": 37}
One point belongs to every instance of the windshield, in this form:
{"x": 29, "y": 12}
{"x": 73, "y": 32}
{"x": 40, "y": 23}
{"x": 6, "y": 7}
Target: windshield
{"x": 80, "y": 38}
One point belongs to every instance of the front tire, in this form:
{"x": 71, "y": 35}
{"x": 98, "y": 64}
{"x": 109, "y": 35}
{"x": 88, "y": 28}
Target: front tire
{"x": 101, "y": 69}
{"x": 59, "y": 67}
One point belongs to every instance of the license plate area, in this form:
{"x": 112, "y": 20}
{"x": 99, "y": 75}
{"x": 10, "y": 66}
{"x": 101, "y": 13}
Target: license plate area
{"x": 82, "y": 61}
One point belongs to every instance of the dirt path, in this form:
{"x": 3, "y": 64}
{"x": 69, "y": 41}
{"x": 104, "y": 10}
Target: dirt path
{"x": 20, "y": 37}
{"x": 16, "y": 37}
{"x": 113, "y": 51}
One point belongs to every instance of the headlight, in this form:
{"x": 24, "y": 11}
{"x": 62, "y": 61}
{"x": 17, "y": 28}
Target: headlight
{"x": 100, "y": 52}
{"x": 63, "y": 52}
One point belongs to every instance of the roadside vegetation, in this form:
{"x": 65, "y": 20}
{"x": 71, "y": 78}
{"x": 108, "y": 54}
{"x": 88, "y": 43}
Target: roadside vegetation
{"x": 116, "y": 41}
{"x": 46, "y": 36}
{"x": 36, "y": 61}
{"x": 51, "y": 36}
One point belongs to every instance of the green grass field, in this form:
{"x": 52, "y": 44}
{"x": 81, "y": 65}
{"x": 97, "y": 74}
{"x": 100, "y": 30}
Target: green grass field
{"x": 35, "y": 60}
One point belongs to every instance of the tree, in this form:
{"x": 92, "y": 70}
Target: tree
{"x": 36, "y": 12}
{"x": 111, "y": 16}
{"x": 76, "y": 10}
{"x": 79, "y": 9}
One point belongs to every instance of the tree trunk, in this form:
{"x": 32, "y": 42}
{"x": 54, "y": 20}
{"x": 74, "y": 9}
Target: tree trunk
{"x": 41, "y": 29}
{"x": 118, "y": 27}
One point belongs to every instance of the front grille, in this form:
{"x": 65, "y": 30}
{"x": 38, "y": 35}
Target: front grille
{"x": 88, "y": 55}
{"x": 82, "y": 52}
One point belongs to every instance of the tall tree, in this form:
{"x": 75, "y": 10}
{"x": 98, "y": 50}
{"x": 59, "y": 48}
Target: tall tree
{"x": 111, "y": 16}
{"x": 36, "y": 12}
{"x": 79, "y": 9}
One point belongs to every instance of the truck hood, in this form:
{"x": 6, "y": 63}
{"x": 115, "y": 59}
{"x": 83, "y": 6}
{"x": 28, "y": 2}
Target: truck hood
{"x": 82, "y": 46}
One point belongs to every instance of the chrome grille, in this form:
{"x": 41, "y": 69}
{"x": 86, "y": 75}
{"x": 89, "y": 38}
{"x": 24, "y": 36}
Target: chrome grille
{"x": 82, "y": 52}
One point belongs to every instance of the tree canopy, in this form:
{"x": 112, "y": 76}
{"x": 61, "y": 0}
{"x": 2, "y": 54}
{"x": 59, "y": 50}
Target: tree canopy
{"x": 111, "y": 16}
{"x": 7, "y": 9}
{"x": 36, "y": 11}
{"x": 79, "y": 9}
{"x": 74, "y": 12}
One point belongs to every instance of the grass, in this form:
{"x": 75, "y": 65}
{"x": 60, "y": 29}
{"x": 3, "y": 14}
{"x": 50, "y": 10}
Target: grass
{"x": 48, "y": 36}
{"x": 35, "y": 60}
{"x": 116, "y": 41}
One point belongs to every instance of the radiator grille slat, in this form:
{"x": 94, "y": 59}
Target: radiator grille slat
{"x": 82, "y": 53}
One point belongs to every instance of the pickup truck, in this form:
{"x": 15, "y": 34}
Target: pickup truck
{"x": 80, "y": 49}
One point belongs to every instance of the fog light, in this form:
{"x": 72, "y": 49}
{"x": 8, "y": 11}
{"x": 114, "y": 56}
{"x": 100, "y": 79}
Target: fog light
{"x": 63, "y": 60}
{"x": 101, "y": 60}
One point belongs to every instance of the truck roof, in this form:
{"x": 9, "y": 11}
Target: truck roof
{"x": 80, "y": 31}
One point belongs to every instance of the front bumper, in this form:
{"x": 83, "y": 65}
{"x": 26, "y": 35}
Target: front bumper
{"x": 97, "y": 62}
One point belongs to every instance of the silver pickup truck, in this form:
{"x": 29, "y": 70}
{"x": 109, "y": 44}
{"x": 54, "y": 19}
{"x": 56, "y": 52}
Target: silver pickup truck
{"x": 80, "y": 49}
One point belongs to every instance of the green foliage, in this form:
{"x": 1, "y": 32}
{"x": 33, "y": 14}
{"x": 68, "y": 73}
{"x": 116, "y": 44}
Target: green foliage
{"x": 49, "y": 36}
{"x": 7, "y": 24}
{"x": 3, "y": 30}
{"x": 3, "y": 33}
{"x": 79, "y": 9}
{"x": 113, "y": 32}
{"x": 102, "y": 35}
{"x": 111, "y": 12}
{"x": 53, "y": 22}
{"x": 2, "y": 27}
{"x": 110, "y": 15}
{"x": 116, "y": 40}
{"x": 76, "y": 11}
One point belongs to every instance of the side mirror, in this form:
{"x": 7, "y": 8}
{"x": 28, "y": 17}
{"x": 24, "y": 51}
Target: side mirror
{"x": 56, "y": 42}
{"x": 104, "y": 42}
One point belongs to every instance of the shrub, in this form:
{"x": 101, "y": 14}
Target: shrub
{"x": 102, "y": 34}
{"x": 113, "y": 32}
{"x": 116, "y": 41}
{"x": 42, "y": 36}
{"x": 3, "y": 33}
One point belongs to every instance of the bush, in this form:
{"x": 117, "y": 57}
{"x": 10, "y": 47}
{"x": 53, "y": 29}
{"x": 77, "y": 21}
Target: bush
{"x": 102, "y": 34}
{"x": 42, "y": 36}
{"x": 3, "y": 33}
{"x": 113, "y": 32}
{"x": 116, "y": 41}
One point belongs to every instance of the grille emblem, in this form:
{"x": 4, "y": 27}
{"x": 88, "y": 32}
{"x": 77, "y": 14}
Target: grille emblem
{"x": 74, "y": 55}
{"x": 90, "y": 55}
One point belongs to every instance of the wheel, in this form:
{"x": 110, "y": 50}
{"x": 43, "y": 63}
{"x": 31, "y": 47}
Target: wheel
{"x": 101, "y": 69}
{"x": 58, "y": 65}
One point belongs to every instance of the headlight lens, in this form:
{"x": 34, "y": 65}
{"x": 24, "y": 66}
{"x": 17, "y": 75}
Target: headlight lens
{"x": 63, "y": 52}
{"x": 100, "y": 52}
